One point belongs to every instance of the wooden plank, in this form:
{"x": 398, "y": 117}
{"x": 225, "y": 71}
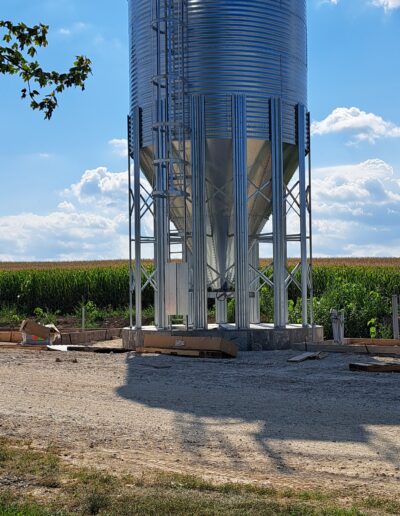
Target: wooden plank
{"x": 372, "y": 342}
{"x": 375, "y": 368}
{"x": 113, "y": 333}
{"x": 331, "y": 347}
{"x": 66, "y": 339}
{"x": 11, "y": 346}
{"x": 173, "y": 351}
{"x": 190, "y": 343}
{"x": 184, "y": 352}
{"x": 94, "y": 349}
{"x": 5, "y": 336}
{"x": 8, "y": 345}
{"x": 16, "y": 336}
{"x": 384, "y": 350}
{"x": 309, "y": 355}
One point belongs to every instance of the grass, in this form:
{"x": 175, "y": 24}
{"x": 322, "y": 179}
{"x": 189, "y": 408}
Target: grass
{"x": 39, "y": 483}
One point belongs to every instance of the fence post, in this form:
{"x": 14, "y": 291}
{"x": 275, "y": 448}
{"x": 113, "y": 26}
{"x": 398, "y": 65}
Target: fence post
{"x": 395, "y": 315}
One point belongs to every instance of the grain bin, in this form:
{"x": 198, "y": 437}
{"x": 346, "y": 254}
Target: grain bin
{"x": 218, "y": 126}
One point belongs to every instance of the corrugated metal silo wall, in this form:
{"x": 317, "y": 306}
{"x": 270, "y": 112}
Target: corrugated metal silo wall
{"x": 256, "y": 47}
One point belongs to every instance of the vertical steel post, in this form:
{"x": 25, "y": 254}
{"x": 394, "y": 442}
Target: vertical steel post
{"x": 254, "y": 257}
{"x": 199, "y": 212}
{"x": 278, "y": 215}
{"x": 221, "y": 309}
{"x": 161, "y": 220}
{"x": 301, "y": 145}
{"x": 131, "y": 208}
{"x": 138, "y": 232}
{"x": 310, "y": 223}
{"x": 239, "y": 130}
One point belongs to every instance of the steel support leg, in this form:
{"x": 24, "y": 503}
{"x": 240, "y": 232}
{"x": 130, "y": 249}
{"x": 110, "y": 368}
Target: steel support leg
{"x": 254, "y": 258}
{"x": 310, "y": 224}
{"x": 301, "y": 144}
{"x": 221, "y": 310}
{"x": 138, "y": 233}
{"x": 131, "y": 209}
{"x": 278, "y": 215}
{"x": 189, "y": 258}
{"x": 199, "y": 213}
{"x": 161, "y": 224}
{"x": 239, "y": 124}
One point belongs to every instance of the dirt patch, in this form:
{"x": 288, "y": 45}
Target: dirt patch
{"x": 256, "y": 418}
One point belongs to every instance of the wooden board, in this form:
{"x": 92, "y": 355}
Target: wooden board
{"x": 5, "y": 336}
{"x": 184, "y": 342}
{"x": 16, "y": 336}
{"x": 11, "y": 346}
{"x": 183, "y": 352}
{"x": 11, "y": 336}
{"x": 309, "y": 355}
{"x": 375, "y": 368}
{"x": 372, "y": 342}
{"x": 94, "y": 349}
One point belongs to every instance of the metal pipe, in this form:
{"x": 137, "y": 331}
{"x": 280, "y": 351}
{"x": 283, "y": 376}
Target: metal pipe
{"x": 301, "y": 145}
{"x": 199, "y": 212}
{"x": 221, "y": 309}
{"x": 239, "y": 129}
{"x": 138, "y": 233}
{"x": 131, "y": 207}
{"x": 254, "y": 279}
{"x": 310, "y": 222}
{"x": 278, "y": 214}
{"x": 161, "y": 223}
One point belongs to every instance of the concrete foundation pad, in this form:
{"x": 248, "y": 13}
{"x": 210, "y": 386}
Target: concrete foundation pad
{"x": 259, "y": 337}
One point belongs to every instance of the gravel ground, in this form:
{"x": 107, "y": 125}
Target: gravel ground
{"x": 257, "y": 418}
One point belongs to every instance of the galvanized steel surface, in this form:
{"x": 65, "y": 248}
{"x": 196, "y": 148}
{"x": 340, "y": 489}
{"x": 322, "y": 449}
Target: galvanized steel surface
{"x": 257, "y": 48}
{"x": 252, "y": 48}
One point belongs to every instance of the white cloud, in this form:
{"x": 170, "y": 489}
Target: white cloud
{"x": 90, "y": 223}
{"x": 388, "y": 5}
{"x": 76, "y": 28}
{"x": 101, "y": 187}
{"x": 66, "y": 206}
{"x": 356, "y": 210}
{"x": 365, "y": 126}
{"x": 62, "y": 236}
{"x": 120, "y": 147}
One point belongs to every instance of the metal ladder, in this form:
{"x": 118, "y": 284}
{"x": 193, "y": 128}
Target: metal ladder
{"x": 170, "y": 128}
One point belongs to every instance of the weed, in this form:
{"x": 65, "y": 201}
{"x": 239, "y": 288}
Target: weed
{"x": 45, "y": 316}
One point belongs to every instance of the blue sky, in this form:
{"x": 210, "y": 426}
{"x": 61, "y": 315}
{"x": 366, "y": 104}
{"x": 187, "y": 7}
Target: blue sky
{"x": 63, "y": 193}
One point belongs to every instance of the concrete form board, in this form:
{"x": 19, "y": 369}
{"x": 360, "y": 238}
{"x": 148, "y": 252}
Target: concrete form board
{"x": 246, "y": 340}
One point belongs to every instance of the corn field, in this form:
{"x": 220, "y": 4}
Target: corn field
{"x": 362, "y": 287}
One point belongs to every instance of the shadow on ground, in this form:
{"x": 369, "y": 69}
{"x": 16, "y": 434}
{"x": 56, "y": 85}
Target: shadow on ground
{"x": 261, "y": 408}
